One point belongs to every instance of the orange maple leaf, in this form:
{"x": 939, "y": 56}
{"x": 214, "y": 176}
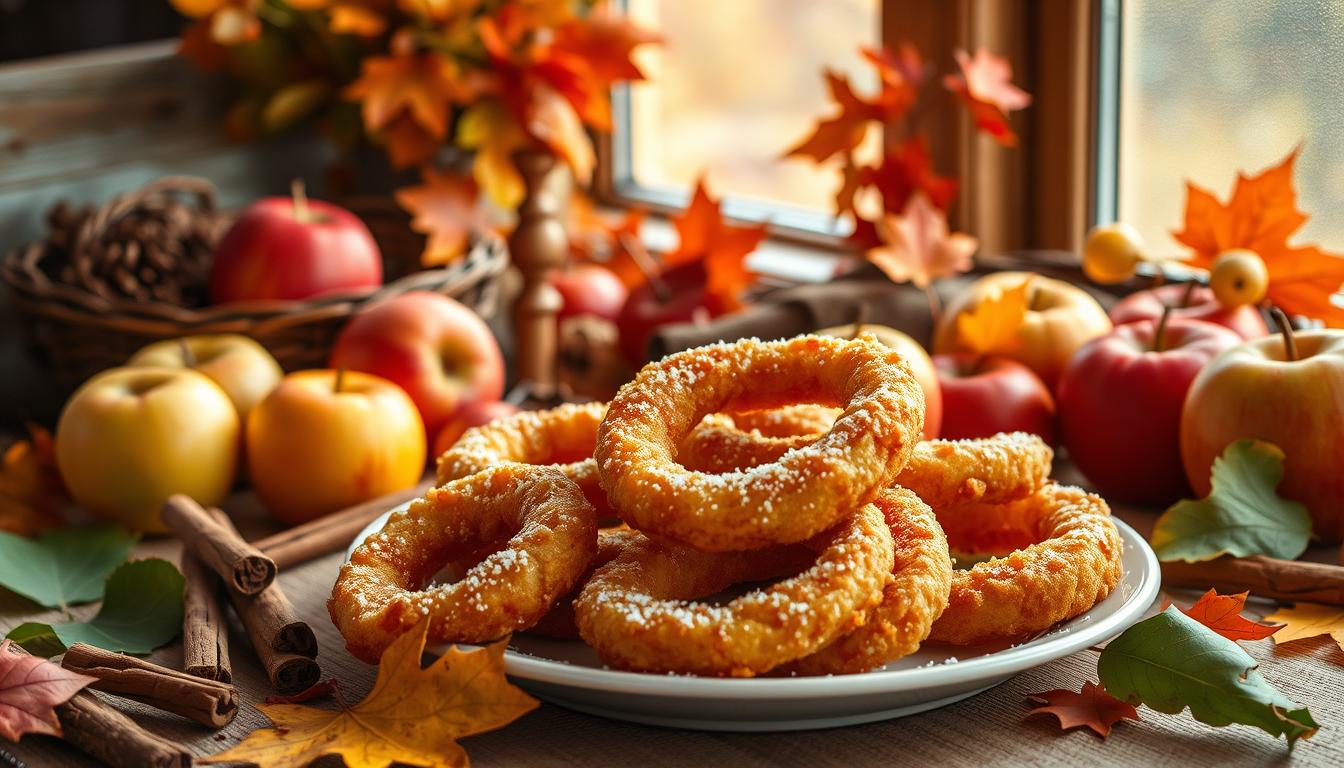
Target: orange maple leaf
{"x": 705, "y": 236}
{"x": 995, "y": 324}
{"x": 602, "y": 239}
{"x": 1092, "y": 707}
{"x": 408, "y": 145}
{"x": 1222, "y": 614}
{"x": 840, "y": 133}
{"x": 422, "y": 86}
{"x": 1305, "y": 620}
{"x": 31, "y": 492}
{"x": 1260, "y": 216}
{"x": 363, "y": 19}
{"x": 413, "y": 716}
{"x": 604, "y": 41}
{"x": 916, "y": 246}
{"x": 985, "y": 84}
{"x": 445, "y": 209}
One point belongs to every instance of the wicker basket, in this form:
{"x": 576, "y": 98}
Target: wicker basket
{"x": 74, "y": 334}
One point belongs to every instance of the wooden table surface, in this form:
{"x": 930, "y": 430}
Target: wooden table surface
{"x": 988, "y": 728}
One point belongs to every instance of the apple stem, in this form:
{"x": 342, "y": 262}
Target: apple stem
{"x": 300, "y": 195}
{"x": 1161, "y": 332}
{"x": 935, "y": 306}
{"x": 1188, "y": 294}
{"x": 340, "y": 381}
{"x": 640, "y": 255}
{"x": 188, "y": 359}
{"x": 1286, "y": 328}
{"x": 860, "y": 319}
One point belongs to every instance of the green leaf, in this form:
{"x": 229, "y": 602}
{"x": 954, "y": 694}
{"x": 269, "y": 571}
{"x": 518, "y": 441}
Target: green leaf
{"x": 142, "y": 610}
{"x": 1241, "y": 516}
{"x": 1171, "y": 662}
{"x": 63, "y": 567}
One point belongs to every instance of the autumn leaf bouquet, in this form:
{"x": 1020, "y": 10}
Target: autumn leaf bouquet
{"x": 899, "y": 204}
{"x": 429, "y": 81}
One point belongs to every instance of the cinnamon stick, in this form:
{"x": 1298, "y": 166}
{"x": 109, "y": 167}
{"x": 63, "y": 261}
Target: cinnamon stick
{"x": 1291, "y": 580}
{"x": 208, "y": 702}
{"x": 285, "y": 644}
{"x": 97, "y": 728}
{"x": 332, "y": 532}
{"x": 205, "y": 634}
{"x": 243, "y": 569}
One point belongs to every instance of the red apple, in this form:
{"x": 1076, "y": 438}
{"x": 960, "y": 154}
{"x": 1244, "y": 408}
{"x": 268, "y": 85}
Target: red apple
{"x": 282, "y": 248}
{"x": 645, "y": 310}
{"x": 1148, "y": 305}
{"x": 985, "y": 396}
{"x": 1120, "y": 404}
{"x": 474, "y": 415}
{"x": 590, "y": 289}
{"x": 440, "y": 352}
{"x": 1256, "y": 390}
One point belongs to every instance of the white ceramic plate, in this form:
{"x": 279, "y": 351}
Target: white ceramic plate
{"x": 569, "y": 674}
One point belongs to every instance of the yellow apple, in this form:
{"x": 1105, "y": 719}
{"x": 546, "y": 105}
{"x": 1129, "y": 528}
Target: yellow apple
{"x": 239, "y": 365}
{"x": 132, "y": 437}
{"x": 1255, "y": 390}
{"x": 324, "y": 440}
{"x": 921, "y": 365}
{"x": 1060, "y": 319}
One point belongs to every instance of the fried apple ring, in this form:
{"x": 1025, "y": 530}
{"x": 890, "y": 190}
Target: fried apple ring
{"x": 559, "y": 622}
{"x": 1007, "y": 466}
{"x": 562, "y": 437}
{"x": 911, "y": 602}
{"x": 1066, "y": 558}
{"x": 549, "y": 535}
{"x": 806, "y": 490}
{"x": 642, "y": 611}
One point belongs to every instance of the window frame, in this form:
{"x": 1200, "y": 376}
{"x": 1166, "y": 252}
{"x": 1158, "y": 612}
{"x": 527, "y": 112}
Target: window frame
{"x": 1011, "y": 199}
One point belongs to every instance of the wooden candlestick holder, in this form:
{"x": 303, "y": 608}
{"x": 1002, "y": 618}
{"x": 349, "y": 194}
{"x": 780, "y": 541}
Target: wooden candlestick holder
{"x": 539, "y": 246}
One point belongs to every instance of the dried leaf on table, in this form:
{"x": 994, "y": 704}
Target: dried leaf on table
{"x": 1170, "y": 661}
{"x": 1222, "y": 614}
{"x": 141, "y": 610}
{"x": 995, "y": 324}
{"x": 30, "y": 690}
{"x": 445, "y": 208}
{"x": 916, "y": 246}
{"x": 1241, "y": 516}
{"x": 985, "y": 85}
{"x": 412, "y": 715}
{"x": 1260, "y": 216}
{"x": 63, "y": 567}
{"x": 704, "y": 235}
{"x": 31, "y": 491}
{"x": 1092, "y": 707}
{"x": 1304, "y": 620}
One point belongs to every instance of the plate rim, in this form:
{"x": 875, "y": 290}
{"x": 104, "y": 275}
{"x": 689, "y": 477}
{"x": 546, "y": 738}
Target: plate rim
{"x": 1003, "y": 663}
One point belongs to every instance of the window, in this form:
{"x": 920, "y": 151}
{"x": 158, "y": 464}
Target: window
{"x": 1208, "y": 87}
{"x": 737, "y": 84}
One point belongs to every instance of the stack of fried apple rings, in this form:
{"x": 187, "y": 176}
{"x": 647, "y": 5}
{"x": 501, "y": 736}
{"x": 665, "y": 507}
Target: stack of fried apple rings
{"x": 775, "y": 513}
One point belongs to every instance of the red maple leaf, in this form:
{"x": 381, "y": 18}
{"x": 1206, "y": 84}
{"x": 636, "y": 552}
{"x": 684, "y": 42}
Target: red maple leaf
{"x": 1222, "y": 614}
{"x": 1092, "y": 707}
{"x": 1260, "y": 216}
{"x": 705, "y": 236}
{"x": 986, "y": 86}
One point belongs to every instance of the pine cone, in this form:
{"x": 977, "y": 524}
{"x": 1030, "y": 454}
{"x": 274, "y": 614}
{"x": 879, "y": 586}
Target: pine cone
{"x": 153, "y": 244}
